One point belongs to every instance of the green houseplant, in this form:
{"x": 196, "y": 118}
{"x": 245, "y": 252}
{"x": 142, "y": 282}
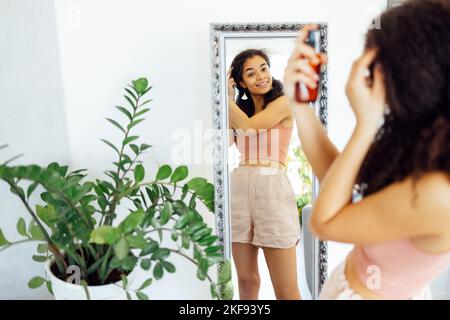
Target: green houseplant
{"x": 76, "y": 227}
{"x": 304, "y": 197}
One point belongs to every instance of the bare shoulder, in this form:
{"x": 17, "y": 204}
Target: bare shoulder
{"x": 436, "y": 184}
{"x": 433, "y": 189}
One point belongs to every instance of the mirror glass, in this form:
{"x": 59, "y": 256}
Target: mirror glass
{"x": 260, "y": 203}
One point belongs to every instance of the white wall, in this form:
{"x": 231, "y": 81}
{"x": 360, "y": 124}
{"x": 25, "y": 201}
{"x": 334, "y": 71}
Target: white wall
{"x": 104, "y": 44}
{"x": 32, "y": 121}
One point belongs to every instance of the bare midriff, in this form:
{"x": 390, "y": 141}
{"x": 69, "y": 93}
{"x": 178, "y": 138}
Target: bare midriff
{"x": 262, "y": 163}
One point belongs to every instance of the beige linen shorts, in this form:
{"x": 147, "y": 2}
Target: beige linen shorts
{"x": 263, "y": 208}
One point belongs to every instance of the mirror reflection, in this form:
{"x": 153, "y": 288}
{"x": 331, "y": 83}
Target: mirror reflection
{"x": 265, "y": 162}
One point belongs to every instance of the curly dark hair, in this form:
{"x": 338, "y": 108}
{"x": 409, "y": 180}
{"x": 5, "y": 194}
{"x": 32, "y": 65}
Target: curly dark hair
{"x": 413, "y": 51}
{"x": 236, "y": 73}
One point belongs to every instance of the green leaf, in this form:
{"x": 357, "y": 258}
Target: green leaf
{"x": 179, "y": 174}
{"x": 18, "y": 191}
{"x": 150, "y": 248}
{"x": 105, "y": 235}
{"x": 160, "y": 254}
{"x": 135, "y": 148}
{"x": 124, "y": 282}
{"x": 129, "y": 263}
{"x": 42, "y": 248}
{"x": 125, "y": 112}
{"x": 3, "y": 241}
{"x": 129, "y": 139}
{"x": 132, "y": 104}
{"x": 192, "y": 202}
{"x": 132, "y": 221}
{"x": 184, "y": 192}
{"x": 227, "y": 291}
{"x": 147, "y": 283}
{"x": 22, "y": 227}
{"x": 166, "y": 213}
{"x": 185, "y": 242}
{"x": 131, "y": 93}
{"x": 208, "y": 240}
{"x": 141, "y": 295}
{"x": 36, "y": 282}
{"x": 47, "y": 214}
{"x": 115, "y": 123}
{"x": 121, "y": 249}
{"x": 39, "y": 258}
{"x": 145, "y": 146}
{"x": 49, "y": 287}
{"x": 158, "y": 271}
{"x": 184, "y": 220}
{"x": 164, "y": 172}
{"x": 140, "y": 113}
{"x": 201, "y": 233}
{"x": 146, "y": 264}
{"x": 195, "y": 227}
{"x": 36, "y": 232}
{"x": 202, "y": 268}
{"x": 213, "y": 249}
{"x": 134, "y": 123}
{"x": 111, "y": 145}
{"x": 213, "y": 289}
{"x": 31, "y": 188}
{"x": 225, "y": 272}
{"x": 168, "y": 266}
{"x": 138, "y": 242}
{"x": 139, "y": 173}
{"x": 147, "y": 101}
{"x": 174, "y": 235}
{"x": 197, "y": 184}
{"x": 140, "y": 85}
{"x": 128, "y": 296}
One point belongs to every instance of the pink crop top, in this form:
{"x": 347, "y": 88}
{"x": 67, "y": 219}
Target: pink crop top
{"x": 398, "y": 270}
{"x": 263, "y": 144}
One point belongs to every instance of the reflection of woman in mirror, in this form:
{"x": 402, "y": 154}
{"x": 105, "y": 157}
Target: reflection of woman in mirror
{"x": 398, "y": 155}
{"x": 263, "y": 206}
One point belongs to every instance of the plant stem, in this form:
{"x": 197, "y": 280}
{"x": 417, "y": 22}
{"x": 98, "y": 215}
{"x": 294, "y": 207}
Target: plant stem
{"x": 108, "y": 220}
{"x": 85, "y": 220}
{"x": 18, "y": 242}
{"x": 190, "y": 259}
{"x": 59, "y": 258}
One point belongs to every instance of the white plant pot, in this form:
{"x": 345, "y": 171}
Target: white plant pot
{"x": 68, "y": 291}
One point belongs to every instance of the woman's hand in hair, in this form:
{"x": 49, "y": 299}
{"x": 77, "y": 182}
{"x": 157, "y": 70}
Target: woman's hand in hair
{"x": 367, "y": 97}
{"x": 231, "y": 86}
{"x": 298, "y": 68}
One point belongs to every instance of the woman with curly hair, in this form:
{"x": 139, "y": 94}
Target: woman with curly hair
{"x": 263, "y": 206}
{"x": 398, "y": 157}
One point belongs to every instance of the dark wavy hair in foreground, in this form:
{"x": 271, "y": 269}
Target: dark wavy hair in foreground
{"x": 236, "y": 73}
{"x": 413, "y": 51}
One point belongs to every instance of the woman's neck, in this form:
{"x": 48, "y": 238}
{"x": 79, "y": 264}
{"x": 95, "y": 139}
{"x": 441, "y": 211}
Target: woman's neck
{"x": 258, "y": 101}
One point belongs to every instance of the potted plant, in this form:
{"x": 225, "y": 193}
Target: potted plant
{"x": 87, "y": 252}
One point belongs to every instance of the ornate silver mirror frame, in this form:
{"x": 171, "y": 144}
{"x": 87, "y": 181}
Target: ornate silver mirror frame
{"x": 218, "y": 34}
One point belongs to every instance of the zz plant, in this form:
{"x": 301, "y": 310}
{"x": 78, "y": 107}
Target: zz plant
{"x": 76, "y": 222}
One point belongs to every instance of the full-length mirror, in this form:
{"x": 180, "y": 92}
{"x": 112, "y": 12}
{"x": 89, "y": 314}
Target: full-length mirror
{"x": 264, "y": 185}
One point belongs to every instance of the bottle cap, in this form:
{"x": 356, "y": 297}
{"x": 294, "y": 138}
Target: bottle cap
{"x": 313, "y": 39}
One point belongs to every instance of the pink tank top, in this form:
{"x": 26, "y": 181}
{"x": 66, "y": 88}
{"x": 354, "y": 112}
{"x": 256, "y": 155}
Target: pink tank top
{"x": 398, "y": 270}
{"x": 263, "y": 144}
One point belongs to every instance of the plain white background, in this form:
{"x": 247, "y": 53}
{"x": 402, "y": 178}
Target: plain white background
{"x": 64, "y": 64}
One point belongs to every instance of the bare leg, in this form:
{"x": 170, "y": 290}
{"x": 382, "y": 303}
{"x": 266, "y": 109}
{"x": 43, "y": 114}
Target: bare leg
{"x": 245, "y": 258}
{"x": 282, "y": 265}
